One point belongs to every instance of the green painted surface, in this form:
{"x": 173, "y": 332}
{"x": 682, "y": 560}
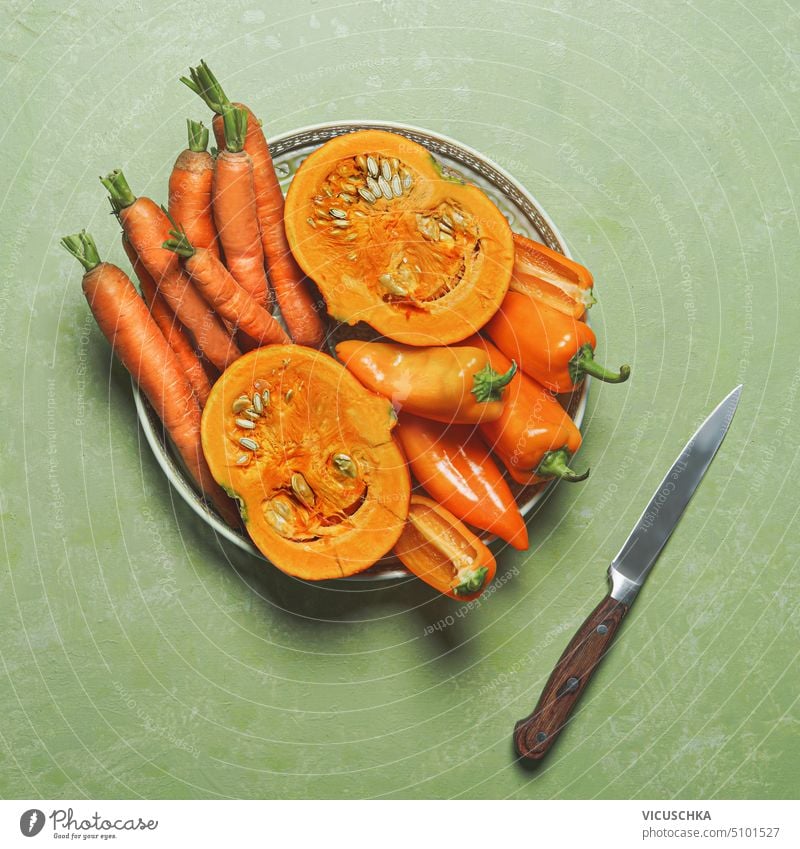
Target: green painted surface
{"x": 141, "y": 659}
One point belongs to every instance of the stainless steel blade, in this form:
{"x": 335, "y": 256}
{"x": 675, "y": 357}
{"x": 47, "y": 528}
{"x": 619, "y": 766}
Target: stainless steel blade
{"x": 631, "y": 566}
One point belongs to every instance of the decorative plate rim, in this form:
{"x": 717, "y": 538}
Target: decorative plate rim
{"x": 495, "y": 174}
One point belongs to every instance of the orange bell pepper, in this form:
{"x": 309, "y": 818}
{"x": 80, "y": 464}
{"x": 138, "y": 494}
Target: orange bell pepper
{"x": 443, "y": 552}
{"x": 534, "y": 438}
{"x": 551, "y": 278}
{"x": 549, "y": 346}
{"x": 455, "y": 468}
{"x": 454, "y": 384}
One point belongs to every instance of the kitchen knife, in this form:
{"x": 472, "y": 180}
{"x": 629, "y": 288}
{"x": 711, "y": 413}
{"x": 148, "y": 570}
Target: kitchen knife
{"x": 534, "y": 735}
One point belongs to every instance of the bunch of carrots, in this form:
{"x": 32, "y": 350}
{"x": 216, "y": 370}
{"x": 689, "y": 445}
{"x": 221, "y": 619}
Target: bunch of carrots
{"x": 211, "y": 267}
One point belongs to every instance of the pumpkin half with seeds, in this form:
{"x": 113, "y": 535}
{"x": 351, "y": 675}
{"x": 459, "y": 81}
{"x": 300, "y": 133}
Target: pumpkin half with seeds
{"x": 308, "y": 454}
{"x": 392, "y": 240}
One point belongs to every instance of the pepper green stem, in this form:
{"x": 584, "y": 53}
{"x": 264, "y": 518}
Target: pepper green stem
{"x": 470, "y": 581}
{"x": 203, "y": 82}
{"x": 118, "y": 190}
{"x": 584, "y": 363}
{"x": 82, "y": 247}
{"x": 488, "y": 384}
{"x": 198, "y": 136}
{"x": 555, "y": 465}
{"x": 179, "y": 244}
{"x": 234, "y": 121}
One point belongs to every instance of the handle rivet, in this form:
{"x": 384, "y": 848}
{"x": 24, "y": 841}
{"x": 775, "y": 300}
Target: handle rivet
{"x": 602, "y": 629}
{"x": 541, "y": 737}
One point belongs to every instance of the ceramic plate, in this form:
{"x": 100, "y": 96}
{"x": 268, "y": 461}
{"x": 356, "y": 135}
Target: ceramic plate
{"x": 524, "y": 214}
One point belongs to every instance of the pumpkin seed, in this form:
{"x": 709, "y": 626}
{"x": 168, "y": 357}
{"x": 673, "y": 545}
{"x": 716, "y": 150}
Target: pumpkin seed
{"x": 327, "y": 191}
{"x": 241, "y": 403}
{"x": 277, "y": 522}
{"x": 344, "y": 463}
{"x": 282, "y": 508}
{"x": 372, "y": 166}
{"x": 289, "y": 395}
{"x": 242, "y": 459}
{"x": 361, "y": 162}
{"x": 252, "y": 414}
{"x": 337, "y": 213}
{"x": 391, "y": 285}
{"x": 386, "y": 170}
{"x": 246, "y": 424}
{"x": 249, "y": 444}
{"x": 322, "y": 214}
{"x": 346, "y": 198}
{"x": 258, "y": 404}
{"x": 386, "y": 189}
{"x": 397, "y": 188}
{"x": 312, "y": 222}
{"x": 340, "y": 223}
{"x": 265, "y": 397}
{"x": 374, "y": 186}
{"x": 407, "y": 181}
{"x": 366, "y": 194}
{"x": 302, "y": 490}
{"x": 351, "y": 237}
{"x": 353, "y": 256}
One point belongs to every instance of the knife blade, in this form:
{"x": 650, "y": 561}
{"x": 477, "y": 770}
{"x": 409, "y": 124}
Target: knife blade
{"x": 535, "y": 735}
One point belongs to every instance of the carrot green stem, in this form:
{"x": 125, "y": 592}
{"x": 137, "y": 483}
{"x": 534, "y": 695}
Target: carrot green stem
{"x": 234, "y": 121}
{"x": 584, "y": 363}
{"x": 119, "y": 190}
{"x": 82, "y": 247}
{"x": 203, "y": 82}
{"x": 555, "y": 465}
{"x": 179, "y": 244}
{"x": 198, "y": 136}
{"x": 488, "y": 384}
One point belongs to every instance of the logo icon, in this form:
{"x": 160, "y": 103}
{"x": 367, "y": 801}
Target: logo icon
{"x": 31, "y": 822}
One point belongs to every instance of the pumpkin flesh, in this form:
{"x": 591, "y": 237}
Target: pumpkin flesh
{"x": 392, "y": 240}
{"x": 324, "y": 493}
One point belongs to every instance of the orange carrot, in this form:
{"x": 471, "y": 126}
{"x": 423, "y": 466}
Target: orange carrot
{"x": 294, "y": 292}
{"x": 220, "y": 288}
{"x": 190, "y": 190}
{"x": 235, "y": 212}
{"x": 135, "y": 338}
{"x": 170, "y": 327}
{"x": 147, "y": 226}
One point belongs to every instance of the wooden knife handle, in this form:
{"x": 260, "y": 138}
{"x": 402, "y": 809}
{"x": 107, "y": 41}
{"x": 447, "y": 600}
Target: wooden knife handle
{"x": 534, "y": 735}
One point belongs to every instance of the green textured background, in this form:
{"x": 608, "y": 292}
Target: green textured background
{"x": 139, "y": 658}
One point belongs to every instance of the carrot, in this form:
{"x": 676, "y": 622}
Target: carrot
{"x": 170, "y": 327}
{"x": 190, "y": 189}
{"x": 147, "y": 227}
{"x": 293, "y": 290}
{"x": 141, "y": 347}
{"x": 220, "y": 288}
{"x": 235, "y": 211}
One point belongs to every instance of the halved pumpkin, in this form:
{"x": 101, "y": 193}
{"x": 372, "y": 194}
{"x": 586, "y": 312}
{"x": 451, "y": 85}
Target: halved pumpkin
{"x": 308, "y": 454}
{"x": 392, "y": 240}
